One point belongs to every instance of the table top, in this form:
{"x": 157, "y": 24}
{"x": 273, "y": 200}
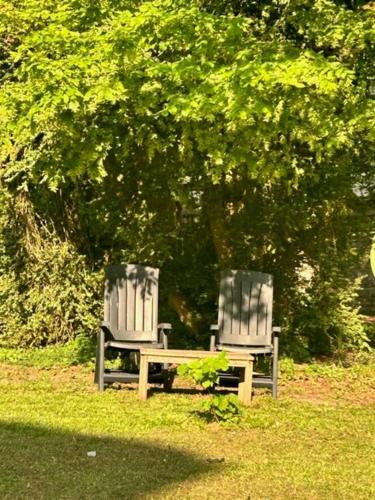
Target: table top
{"x": 184, "y": 354}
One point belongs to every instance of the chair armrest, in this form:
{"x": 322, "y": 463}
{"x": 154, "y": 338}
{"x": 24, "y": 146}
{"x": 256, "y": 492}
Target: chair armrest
{"x": 276, "y": 330}
{"x": 164, "y": 326}
{"x": 106, "y": 327}
{"x": 163, "y": 335}
{"x": 109, "y": 331}
{"x": 104, "y": 333}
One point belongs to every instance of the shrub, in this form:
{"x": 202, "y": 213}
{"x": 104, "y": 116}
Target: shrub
{"x": 48, "y": 292}
{"x": 327, "y": 319}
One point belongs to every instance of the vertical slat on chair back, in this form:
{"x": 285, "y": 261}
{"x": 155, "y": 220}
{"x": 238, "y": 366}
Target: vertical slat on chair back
{"x": 245, "y": 308}
{"x": 131, "y": 302}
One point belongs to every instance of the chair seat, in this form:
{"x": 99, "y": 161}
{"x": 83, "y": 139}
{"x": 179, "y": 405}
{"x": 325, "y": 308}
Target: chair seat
{"x": 132, "y": 346}
{"x": 111, "y": 376}
{"x": 247, "y": 349}
{"x": 259, "y": 380}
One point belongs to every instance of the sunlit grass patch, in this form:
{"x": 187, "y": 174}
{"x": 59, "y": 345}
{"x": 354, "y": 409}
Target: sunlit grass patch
{"x": 289, "y": 448}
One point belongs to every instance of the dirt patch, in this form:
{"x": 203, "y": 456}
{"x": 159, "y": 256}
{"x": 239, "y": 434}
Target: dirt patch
{"x": 57, "y": 377}
{"x": 325, "y": 391}
{"x": 13, "y": 373}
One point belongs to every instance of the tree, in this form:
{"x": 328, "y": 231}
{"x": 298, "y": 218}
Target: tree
{"x": 251, "y": 116}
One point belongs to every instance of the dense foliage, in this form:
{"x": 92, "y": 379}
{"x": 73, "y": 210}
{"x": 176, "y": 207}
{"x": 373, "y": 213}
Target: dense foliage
{"x": 192, "y": 135}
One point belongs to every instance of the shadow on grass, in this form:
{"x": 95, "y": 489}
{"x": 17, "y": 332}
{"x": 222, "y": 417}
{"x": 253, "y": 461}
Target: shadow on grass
{"x": 37, "y": 462}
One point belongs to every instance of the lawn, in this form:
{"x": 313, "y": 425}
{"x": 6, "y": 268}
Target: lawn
{"x": 316, "y": 441}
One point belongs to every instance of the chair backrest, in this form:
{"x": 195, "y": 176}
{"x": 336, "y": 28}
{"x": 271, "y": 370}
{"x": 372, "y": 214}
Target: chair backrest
{"x": 245, "y": 308}
{"x": 131, "y": 302}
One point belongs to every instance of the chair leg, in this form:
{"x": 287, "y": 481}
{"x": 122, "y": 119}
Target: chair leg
{"x": 275, "y": 361}
{"x": 96, "y": 375}
{"x": 99, "y": 364}
{"x": 165, "y": 344}
{"x": 168, "y": 379}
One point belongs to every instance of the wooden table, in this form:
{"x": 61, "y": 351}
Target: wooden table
{"x": 235, "y": 359}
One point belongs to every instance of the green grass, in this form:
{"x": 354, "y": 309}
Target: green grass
{"x": 315, "y": 442}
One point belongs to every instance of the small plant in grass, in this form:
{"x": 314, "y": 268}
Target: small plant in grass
{"x": 205, "y": 372}
{"x": 220, "y": 407}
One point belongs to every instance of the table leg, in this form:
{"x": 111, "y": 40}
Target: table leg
{"x": 143, "y": 377}
{"x": 241, "y": 385}
{"x": 245, "y": 384}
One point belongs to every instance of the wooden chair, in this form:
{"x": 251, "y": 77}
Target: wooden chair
{"x": 245, "y": 320}
{"x": 130, "y": 319}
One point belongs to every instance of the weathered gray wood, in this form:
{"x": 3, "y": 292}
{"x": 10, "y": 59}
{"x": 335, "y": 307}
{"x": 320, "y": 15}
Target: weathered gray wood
{"x": 134, "y": 346}
{"x": 126, "y": 378}
{"x": 241, "y": 348}
{"x": 245, "y": 308}
{"x": 148, "y": 318}
{"x": 130, "y": 301}
{"x": 140, "y": 303}
{"x": 153, "y": 291}
{"x": 236, "y": 296}
{"x": 114, "y": 305}
{"x": 225, "y": 306}
{"x": 245, "y": 384}
{"x": 253, "y": 308}
{"x": 131, "y": 297}
{"x": 212, "y": 343}
{"x": 107, "y": 302}
{"x": 183, "y": 356}
{"x": 130, "y": 316}
{"x": 165, "y": 326}
{"x": 99, "y": 372}
{"x": 122, "y": 312}
{"x": 245, "y": 318}
{"x": 275, "y": 367}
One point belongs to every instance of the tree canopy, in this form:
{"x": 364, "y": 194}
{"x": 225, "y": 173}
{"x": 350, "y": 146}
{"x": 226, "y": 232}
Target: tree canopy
{"x": 193, "y": 135}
